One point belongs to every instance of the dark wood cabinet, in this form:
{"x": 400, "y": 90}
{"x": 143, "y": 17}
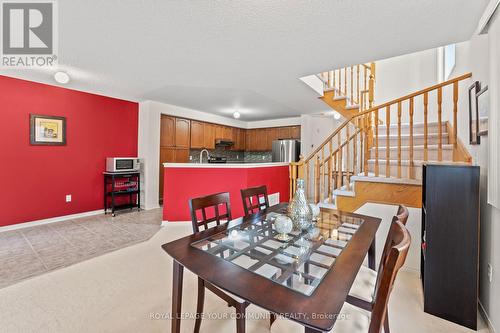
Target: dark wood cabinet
{"x": 284, "y": 133}
{"x": 167, "y": 131}
{"x": 295, "y": 132}
{"x": 197, "y": 134}
{"x": 450, "y": 242}
{"x": 209, "y": 136}
{"x": 182, "y": 132}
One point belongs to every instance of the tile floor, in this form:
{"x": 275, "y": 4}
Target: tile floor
{"x": 29, "y": 252}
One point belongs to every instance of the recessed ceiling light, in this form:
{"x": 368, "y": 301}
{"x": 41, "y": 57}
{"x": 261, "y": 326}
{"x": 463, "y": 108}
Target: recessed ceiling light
{"x": 236, "y": 114}
{"x": 61, "y": 77}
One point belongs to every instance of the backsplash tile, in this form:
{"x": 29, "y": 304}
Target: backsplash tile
{"x": 232, "y": 156}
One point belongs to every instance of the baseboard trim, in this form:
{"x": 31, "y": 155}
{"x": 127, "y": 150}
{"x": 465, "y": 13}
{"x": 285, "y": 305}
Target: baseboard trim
{"x": 50, "y": 220}
{"x": 486, "y": 318}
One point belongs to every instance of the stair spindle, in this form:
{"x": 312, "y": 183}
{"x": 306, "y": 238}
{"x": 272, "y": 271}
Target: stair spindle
{"x": 357, "y": 88}
{"x": 322, "y": 176}
{"x": 366, "y": 153}
{"x": 411, "y": 168}
{"x": 340, "y": 171}
{"x": 376, "y": 144}
{"x": 347, "y": 159}
{"x": 455, "y": 123}
{"x": 345, "y": 81}
{"x": 387, "y": 143}
{"x": 399, "y": 139}
{"x": 355, "y": 152}
{"x": 440, "y": 125}
{"x": 316, "y": 179}
{"x": 330, "y": 171}
{"x": 426, "y": 127}
{"x": 352, "y": 85}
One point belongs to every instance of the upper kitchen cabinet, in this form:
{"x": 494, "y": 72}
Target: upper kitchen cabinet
{"x": 167, "y": 131}
{"x": 271, "y": 135}
{"x": 209, "y": 136}
{"x": 182, "y": 132}
{"x": 219, "y": 132}
{"x": 174, "y": 132}
{"x": 250, "y": 143}
{"x": 228, "y": 133}
{"x": 284, "y": 133}
{"x": 295, "y": 132}
{"x": 238, "y": 138}
{"x": 197, "y": 134}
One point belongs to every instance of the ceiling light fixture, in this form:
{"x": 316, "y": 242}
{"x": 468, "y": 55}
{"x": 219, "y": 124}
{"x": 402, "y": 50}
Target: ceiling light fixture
{"x": 336, "y": 115}
{"x": 61, "y": 77}
{"x": 236, "y": 115}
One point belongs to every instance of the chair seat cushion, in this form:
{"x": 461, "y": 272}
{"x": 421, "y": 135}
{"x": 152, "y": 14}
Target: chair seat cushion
{"x": 350, "y": 320}
{"x": 364, "y": 284}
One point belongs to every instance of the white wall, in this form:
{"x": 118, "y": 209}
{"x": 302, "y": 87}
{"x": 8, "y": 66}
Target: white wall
{"x": 149, "y": 140}
{"x": 314, "y": 130}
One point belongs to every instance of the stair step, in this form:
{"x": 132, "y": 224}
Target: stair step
{"x": 418, "y": 152}
{"x": 418, "y": 139}
{"x": 418, "y": 128}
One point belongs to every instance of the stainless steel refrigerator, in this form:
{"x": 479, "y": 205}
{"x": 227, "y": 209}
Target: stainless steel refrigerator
{"x": 286, "y": 150}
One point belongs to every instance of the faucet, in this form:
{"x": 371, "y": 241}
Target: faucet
{"x": 201, "y": 155}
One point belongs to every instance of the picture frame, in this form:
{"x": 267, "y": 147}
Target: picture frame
{"x": 47, "y": 130}
{"x": 483, "y": 110}
{"x": 474, "y": 138}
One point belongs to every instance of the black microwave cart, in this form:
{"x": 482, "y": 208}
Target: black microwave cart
{"x": 122, "y": 190}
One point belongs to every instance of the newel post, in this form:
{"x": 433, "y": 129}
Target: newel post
{"x": 296, "y": 172}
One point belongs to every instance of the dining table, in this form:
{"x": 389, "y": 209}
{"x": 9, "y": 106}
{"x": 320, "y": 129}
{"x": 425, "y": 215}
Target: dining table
{"x": 304, "y": 277}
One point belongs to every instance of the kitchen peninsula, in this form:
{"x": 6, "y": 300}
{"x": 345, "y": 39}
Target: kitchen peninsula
{"x": 187, "y": 180}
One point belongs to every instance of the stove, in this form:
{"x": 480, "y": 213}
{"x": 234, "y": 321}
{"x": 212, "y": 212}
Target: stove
{"x": 217, "y": 159}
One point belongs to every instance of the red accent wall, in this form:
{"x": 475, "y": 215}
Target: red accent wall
{"x": 34, "y": 180}
{"x": 181, "y": 184}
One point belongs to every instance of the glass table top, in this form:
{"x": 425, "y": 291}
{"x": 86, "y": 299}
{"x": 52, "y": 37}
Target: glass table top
{"x": 300, "y": 263}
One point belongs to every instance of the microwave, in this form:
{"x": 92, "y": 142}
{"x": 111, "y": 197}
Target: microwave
{"x": 122, "y": 164}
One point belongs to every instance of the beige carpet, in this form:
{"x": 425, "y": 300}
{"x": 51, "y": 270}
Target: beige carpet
{"x": 130, "y": 291}
{"x": 33, "y": 251}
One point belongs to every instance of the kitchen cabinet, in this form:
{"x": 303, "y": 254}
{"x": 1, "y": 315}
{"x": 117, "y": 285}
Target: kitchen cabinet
{"x": 197, "y": 134}
{"x": 182, "y": 132}
{"x": 250, "y": 140}
{"x": 208, "y": 136}
{"x": 271, "y": 135}
{"x": 295, "y": 132}
{"x": 174, "y": 132}
{"x": 171, "y": 155}
{"x": 219, "y": 132}
{"x": 261, "y": 139}
{"x": 239, "y": 139}
{"x": 284, "y": 133}
{"x": 228, "y": 133}
{"x": 167, "y": 131}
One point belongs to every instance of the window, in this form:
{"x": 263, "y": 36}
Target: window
{"x": 446, "y": 61}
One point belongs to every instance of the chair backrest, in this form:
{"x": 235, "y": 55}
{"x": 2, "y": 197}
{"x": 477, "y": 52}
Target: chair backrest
{"x": 214, "y": 208}
{"x": 402, "y": 214}
{"x": 252, "y": 199}
{"x": 399, "y": 239}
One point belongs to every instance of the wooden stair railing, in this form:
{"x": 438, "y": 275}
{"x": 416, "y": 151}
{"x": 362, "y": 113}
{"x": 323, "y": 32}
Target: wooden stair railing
{"x": 346, "y": 151}
{"x": 355, "y": 83}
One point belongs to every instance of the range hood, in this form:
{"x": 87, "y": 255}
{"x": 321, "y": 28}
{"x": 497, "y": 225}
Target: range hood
{"x": 223, "y": 143}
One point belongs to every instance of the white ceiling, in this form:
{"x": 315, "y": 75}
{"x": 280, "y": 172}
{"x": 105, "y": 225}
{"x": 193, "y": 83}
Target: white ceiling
{"x": 216, "y": 56}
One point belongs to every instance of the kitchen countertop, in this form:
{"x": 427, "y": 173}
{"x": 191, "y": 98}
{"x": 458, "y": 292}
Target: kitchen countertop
{"x": 224, "y": 165}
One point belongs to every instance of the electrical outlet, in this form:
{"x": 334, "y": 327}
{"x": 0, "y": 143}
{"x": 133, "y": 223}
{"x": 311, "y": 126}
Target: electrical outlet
{"x": 190, "y": 158}
{"x": 490, "y": 273}
{"x": 68, "y": 197}
{"x": 237, "y": 157}
{"x": 263, "y": 157}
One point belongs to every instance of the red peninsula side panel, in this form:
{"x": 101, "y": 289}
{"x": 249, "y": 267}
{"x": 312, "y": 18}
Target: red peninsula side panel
{"x": 183, "y": 183}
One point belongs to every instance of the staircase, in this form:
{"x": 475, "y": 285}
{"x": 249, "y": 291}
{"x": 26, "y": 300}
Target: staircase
{"x": 377, "y": 154}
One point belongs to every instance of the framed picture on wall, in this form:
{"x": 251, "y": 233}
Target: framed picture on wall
{"x": 474, "y": 138}
{"x": 47, "y": 130}
{"x": 483, "y": 110}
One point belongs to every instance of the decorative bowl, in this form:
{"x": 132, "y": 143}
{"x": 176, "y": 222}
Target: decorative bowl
{"x": 284, "y": 226}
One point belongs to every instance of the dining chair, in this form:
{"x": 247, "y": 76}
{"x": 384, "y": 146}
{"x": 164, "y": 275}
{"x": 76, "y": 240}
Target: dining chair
{"x": 219, "y": 206}
{"x": 352, "y": 319}
{"x": 363, "y": 289}
{"x": 254, "y": 199}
